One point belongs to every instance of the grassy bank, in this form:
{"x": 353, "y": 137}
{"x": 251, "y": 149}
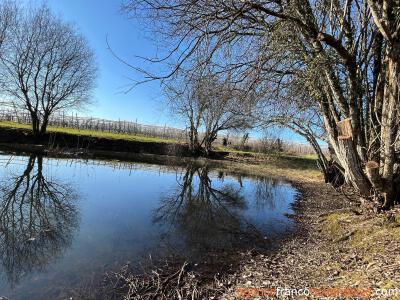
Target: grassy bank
{"x": 19, "y": 137}
{"x": 296, "y": 168}
{"x": 92, "y": 133}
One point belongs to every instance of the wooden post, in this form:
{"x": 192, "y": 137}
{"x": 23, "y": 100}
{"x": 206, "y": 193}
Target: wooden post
{"x": 345, "y": 129}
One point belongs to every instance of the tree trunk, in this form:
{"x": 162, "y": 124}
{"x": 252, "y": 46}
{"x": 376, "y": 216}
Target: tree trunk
{"x": 43, "y": 127}
{"x": 332, "y": 174}
{"x": 375, "y": 108}
{"x": 208, "y": 140}
{"x": 194, "y": 144}
{"x": 347, "y": 157}
{"x": 351, "y": 164}
{"x": 35, "y": 124}
{"x": 390, "y": 122}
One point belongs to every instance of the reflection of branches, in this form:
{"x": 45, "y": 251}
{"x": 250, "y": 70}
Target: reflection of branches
{"x": 265, "y": 194}
{"x": 37, "y": 219}
{"x": 206, "y": 217}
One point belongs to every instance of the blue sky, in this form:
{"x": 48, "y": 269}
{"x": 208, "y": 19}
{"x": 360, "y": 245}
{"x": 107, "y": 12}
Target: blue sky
{"x": 101, "y": 20}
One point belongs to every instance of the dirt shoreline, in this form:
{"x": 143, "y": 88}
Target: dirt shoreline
{"x": 338, "y": 246}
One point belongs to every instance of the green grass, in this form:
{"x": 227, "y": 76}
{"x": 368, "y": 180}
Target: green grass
{"x": 231, "y": 150}
{"x": 302, "y": 162}
{"x": 93, "y": 133}
{"x": 305, "y": 157}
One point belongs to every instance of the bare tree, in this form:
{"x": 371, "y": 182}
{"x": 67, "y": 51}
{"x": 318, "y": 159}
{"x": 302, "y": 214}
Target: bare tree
{"x": 209, "y": 104}
{"x": 46, "y": 66}
{"x": 7, "y": 17}
{"x": 185, "y": 103}
{"x": 346, "y": 53}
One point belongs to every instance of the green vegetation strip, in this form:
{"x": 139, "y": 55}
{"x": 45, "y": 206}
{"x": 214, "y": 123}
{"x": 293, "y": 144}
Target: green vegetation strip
{"x": 93, "y": 133}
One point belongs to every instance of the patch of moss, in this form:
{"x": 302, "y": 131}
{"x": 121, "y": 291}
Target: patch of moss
{"x": 395, "y": 233}
{"x": 368, "y": 239}
{"x": 336, "y": 224}
{"x": 397, "y": 218}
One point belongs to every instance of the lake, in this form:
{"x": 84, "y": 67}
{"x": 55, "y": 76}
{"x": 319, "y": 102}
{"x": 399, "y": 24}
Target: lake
{"x": 64, "y": 223}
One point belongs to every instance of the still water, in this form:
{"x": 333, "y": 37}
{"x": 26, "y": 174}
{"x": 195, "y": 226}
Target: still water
{"x": 63, "y": 223}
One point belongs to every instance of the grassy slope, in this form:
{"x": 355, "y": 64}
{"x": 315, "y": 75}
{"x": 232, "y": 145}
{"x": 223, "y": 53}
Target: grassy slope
{"x": 93, "y": 133}
{"x": 293, "y": 167}
{"x": 298, "y": 167}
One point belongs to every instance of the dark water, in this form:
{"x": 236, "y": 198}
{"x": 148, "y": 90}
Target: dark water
{"x": 63, "y": 223}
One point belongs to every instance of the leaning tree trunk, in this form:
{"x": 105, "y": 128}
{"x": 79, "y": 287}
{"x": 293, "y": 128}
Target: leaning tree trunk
{"x": 352, "y": 165}
{"x": 332, "y": 174}
{"x": 341, "y": 139}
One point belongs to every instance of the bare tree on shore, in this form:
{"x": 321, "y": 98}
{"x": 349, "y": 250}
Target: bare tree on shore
{"x": 347, "y": 52}
{"x": 46, "y": 66}
{"x": 208, "y": 104}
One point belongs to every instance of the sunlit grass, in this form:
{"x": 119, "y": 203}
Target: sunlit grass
{"x": 302, "y": 167}
{"x": 220, "y": 148}
{"x": 93, "y": 133}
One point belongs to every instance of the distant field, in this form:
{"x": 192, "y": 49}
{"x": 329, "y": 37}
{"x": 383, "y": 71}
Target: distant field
{"x": 93, "y": 133}
{"x": 303, "y": 161}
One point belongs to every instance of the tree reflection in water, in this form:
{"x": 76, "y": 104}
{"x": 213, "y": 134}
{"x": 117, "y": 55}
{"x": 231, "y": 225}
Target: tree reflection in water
{"x": 38, "y": 217}
{"x": 265, "y": 193}
{"x": 207, "y": 219}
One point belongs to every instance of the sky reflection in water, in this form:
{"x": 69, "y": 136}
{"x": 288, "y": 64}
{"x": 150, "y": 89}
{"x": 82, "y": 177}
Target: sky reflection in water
{"x": 63, "y": 223}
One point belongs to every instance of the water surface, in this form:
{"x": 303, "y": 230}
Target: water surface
{"x": 63, "y": 223}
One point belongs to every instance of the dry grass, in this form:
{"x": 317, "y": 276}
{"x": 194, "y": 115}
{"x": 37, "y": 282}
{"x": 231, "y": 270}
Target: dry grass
{"x": 289, "y": 167}
{"x": 366, "y": 248}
